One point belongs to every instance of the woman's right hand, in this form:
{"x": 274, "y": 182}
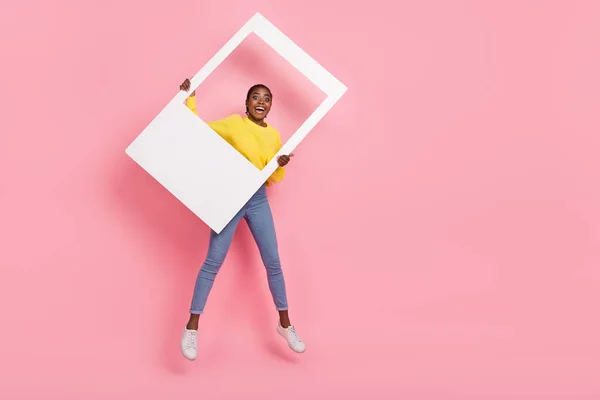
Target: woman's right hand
{"x": 185, "y": 86}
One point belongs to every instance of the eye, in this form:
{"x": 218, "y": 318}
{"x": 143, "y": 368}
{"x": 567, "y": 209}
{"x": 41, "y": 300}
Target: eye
{"x": 255, "y": 97}
{"x": 267, "y": 99}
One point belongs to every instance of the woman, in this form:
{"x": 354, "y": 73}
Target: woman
{"x": 258, "y": 142}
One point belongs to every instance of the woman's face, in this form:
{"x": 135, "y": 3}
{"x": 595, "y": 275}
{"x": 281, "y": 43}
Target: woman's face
{"x": 259, "y": 104}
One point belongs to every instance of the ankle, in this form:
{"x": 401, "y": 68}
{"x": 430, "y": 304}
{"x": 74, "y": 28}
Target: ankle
{"x": 192, "y": 324}
{"x": 191, "y": 327}
{"x": 284, "y": 319}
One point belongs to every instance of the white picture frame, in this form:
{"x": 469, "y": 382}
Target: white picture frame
{"x": 200, "y": 168}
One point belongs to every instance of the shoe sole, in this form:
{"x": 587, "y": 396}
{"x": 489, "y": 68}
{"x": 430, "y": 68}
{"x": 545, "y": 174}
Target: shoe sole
{"x": 187, "y": 358}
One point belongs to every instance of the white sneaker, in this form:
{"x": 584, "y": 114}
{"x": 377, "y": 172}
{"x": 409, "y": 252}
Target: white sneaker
{"x": 189, "y": 344}
{"x": 292, "y": 338}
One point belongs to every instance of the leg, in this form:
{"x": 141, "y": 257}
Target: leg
{"x": 262, "y": 227}
{"x": 217, "y": 251}
{"x": 260, "y": 222}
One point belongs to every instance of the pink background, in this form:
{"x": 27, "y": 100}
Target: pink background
{"x": 295, "y": 97}
{"x": 439, "y": 228}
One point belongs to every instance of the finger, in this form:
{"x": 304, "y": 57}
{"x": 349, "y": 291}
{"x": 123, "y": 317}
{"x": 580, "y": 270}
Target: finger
{"x": 292, "y": 154}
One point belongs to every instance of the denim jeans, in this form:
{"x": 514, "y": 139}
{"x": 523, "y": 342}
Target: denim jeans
{"x": 257, "y": 214}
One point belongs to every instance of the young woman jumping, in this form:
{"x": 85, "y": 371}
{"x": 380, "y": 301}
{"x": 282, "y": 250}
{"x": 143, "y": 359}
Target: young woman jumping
{"x": 258, "y": 142}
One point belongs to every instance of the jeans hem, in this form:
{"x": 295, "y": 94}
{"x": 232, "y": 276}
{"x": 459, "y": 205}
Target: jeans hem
{"x": 282, "y": 309}
{"x": 196, "y": 312}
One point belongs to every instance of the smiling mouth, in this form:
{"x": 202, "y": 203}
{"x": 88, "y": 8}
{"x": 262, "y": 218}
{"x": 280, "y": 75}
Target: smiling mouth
{"x": 259, "y": 110}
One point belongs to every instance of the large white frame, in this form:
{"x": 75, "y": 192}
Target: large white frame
{"x": 195, "y": 164}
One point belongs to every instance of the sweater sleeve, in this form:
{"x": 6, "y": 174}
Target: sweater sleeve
{"x": 279, "y": 173}
{"x": 190, "y": 102}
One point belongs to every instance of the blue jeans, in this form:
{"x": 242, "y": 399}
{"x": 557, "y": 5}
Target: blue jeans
{"x": 257, "y": 214}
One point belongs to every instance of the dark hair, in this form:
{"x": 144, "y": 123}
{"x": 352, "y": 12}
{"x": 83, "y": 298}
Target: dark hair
{"x": 259, "y": 86}
{"x": 253, "y": 88}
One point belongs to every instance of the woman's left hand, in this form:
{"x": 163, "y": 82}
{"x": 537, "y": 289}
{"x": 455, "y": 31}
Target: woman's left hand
{"x": 284, "y": 160}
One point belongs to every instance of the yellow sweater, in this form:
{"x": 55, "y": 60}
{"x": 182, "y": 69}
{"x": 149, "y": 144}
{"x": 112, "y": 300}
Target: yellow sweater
{"x": 258, "y": 144}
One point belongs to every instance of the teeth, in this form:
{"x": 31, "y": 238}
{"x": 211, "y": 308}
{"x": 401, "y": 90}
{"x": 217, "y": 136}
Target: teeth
{"x": 259, "y": 109}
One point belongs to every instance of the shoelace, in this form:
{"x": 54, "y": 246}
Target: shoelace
{"x": 293, "y": 335}
{"x": 191, "y": 340}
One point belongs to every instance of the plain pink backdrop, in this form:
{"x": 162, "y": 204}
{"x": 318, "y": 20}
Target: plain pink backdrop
{"x": 439, "y": 228}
